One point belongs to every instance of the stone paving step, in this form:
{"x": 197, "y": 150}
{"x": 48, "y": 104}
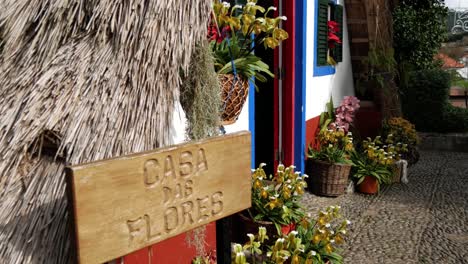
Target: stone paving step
{"x": 424, "y": 221}
{"x": 444, "y": 142}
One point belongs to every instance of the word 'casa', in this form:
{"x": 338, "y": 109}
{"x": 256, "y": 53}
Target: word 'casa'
{"x": 185, "y": 165}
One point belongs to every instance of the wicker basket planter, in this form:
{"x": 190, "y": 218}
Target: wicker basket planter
{"x": 327, "y": 179}
{"x": 234, "y": 95}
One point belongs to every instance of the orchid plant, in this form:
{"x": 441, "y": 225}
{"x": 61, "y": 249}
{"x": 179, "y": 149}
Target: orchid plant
{"x": 236, "y": 31}
{"x": 334, "y": 141}
{"x": 344, "y": 114}
{"x": 276, "y": 198}
{"x": 318, "y": 240}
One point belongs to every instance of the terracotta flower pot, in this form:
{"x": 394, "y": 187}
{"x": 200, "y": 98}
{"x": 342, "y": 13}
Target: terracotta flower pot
{"x": 369, "y": 185}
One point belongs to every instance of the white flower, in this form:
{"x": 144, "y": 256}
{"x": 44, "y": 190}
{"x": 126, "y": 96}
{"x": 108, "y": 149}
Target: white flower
{"x": 288, "y": 181}
{"x": 226, "y": 4}
{"x": 280, "y": 240}
{"x": 273, "y": 8}
{"x": 262, "y": 165}
{"x": 294, "y": 232}
{"x": 332, "y": 232}
{"x": 332, "y": 207}
{"x": 250, "y": 3}
{"x": 240, "y": 254}
{"x": 332, "y": 241}
{"x": 313, "y": 253}
{"x": 305, "y": 176}
{"x": 252, "y": 170}
{"x": 339, "y": 207}
{"x": 266, "y": 188}
{"x": 348, "y": 222}
{"x": 321, "y": 231}
{"x": 283, "y": 18}
{"x": 237, "y": 6}
{"x": 343, "y": 232}
{"x": 327, "y": 225}
{"x": 289, "y": 186}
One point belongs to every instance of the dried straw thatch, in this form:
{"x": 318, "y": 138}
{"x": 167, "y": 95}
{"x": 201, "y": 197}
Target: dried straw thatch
{"x": 81, "y": 80}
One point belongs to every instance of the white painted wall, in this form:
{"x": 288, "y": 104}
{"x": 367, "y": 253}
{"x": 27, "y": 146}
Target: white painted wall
{"x": 179, "y": 123}
{"x": 338, "y": 85}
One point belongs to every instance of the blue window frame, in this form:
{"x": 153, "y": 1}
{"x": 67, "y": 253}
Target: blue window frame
{"x": 320, "y": 70}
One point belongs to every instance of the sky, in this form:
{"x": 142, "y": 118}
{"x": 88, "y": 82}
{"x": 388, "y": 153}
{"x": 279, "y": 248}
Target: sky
{"x": 456, "y": 3}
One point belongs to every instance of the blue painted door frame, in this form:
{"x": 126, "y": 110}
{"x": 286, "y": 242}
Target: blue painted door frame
{"x": 300, "y": 93}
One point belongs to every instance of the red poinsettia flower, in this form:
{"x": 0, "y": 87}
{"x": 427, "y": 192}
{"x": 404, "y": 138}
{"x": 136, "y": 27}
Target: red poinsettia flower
{"x": 333, "y": 39}
{"x": 333, "y": 26}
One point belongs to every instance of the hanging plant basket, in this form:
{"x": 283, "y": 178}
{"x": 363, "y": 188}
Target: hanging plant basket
{"x": 327, "y": 179}
{"x": 234, "y": 95}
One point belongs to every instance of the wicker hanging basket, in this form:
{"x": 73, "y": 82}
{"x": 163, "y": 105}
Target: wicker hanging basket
{"x": 327, "y": 179}
{"x": 234, "y": 95}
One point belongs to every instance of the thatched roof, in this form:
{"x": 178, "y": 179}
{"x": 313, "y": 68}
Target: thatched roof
{"x": 81, "y": 80}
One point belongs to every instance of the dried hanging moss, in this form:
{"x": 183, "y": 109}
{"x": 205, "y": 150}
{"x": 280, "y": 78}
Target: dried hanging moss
{"x": 200, "y": 94}
{"x": 201, "y": 100}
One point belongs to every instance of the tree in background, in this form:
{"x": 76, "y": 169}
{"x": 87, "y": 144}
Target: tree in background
{"x": 419, "y": 30}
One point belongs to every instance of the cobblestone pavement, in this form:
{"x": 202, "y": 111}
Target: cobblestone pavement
{"x": 424, "y": 221}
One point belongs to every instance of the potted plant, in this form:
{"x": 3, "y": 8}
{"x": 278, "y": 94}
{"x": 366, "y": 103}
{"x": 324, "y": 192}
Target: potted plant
{"x": 275, "y": 200}
{"x": 328, "y": 162}
{"x": 403, "y": 131}
{"x": 235, "y": 33}
{"x": 315, "y": 241}
{"x": 329, "y": 166}
{"x": 373, "y": 166}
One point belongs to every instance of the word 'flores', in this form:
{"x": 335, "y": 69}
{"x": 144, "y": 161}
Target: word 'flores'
{"x": 175, "y": 179}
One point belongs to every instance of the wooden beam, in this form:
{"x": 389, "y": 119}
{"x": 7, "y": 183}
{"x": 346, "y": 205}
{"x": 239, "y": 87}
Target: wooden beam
{"x": 359, "y": 40}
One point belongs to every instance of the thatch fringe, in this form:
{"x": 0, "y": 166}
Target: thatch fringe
{"x": 103, "y": 76}
{"x": 200, "y": 94}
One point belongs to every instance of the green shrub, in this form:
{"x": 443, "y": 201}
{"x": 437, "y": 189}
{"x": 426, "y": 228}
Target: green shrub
{"x": 455, "y": 119}
{"x": 419, "y": 29}
{"x": 426, "y": 103}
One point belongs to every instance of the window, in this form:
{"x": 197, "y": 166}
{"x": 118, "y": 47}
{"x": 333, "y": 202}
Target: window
{"x": 327, "y": 11}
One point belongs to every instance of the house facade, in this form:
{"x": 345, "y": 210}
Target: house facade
{"x": 307, "y": 83}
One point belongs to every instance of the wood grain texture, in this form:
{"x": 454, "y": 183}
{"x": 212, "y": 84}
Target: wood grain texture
{"x": 124, "y": 204}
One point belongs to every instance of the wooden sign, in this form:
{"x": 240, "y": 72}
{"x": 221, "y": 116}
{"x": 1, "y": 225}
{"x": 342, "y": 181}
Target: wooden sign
{"x": 127, "y": 203}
